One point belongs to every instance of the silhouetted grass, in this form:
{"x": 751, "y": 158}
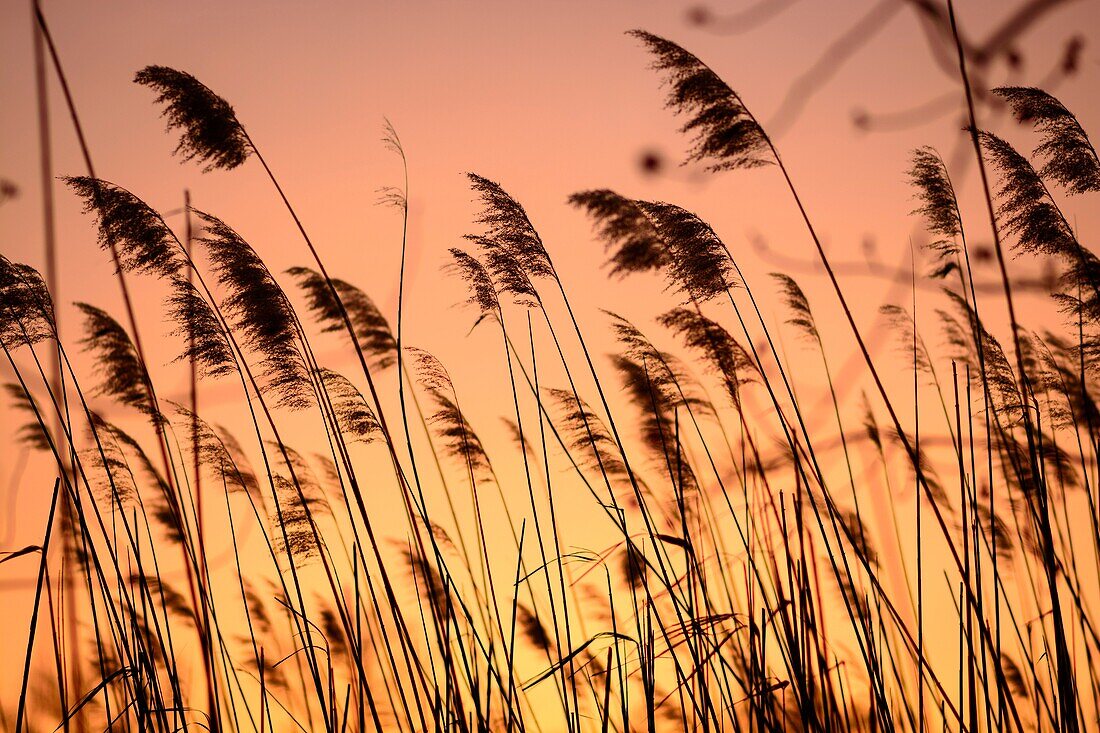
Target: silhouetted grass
{"x": 772, "y": 562}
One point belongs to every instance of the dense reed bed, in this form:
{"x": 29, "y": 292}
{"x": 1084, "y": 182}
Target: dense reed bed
{"x": 774, "y": 560}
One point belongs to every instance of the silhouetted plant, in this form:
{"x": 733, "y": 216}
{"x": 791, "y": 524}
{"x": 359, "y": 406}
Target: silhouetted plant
{"x": 371, "y": 327}
{"x": 699, "y": 266}
{"x": 724, "y": 134}
{"x": 258, "y": 308}
{"x": 755, "y": 571}
{"x": 1070, "y": 158}
{"x": 629, "y": 237}
{"x": 209, "y": 130}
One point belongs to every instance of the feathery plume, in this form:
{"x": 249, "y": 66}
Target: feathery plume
{"x": 588, "y": 435}
{"x": 1079, "y": 299}
{"x": 483, "y": 294}
{"x": 995, "y": 527}
{"x": 209, "y": 129}
{"x": 390, "y": 139}
{"x": 801, "y": 316}
{"x": 430, "y": 372}
{"x": 392, "y": 195}
{"x": 162, "y": 504}
{"x": 911, "y": 343}
{"x": 1062, "y": 363}
{"x": 142, "y": 239}
{"x": 220, "y": 452}
{"x": 173, "y": 600}
{"x": 509, "y": 231}
{"x": 204, "y": 336}
{"x": 300, "y": 499}
{"x": 460, "y": 441}
{"x": 333, "y": 632}
{"x": 353, "y": 415}
{"x": 112, "y": 478}
{"x": 149, "y": 471}
{"x": 1025, "y": 207}
{"x": 532, "y": 628}
{"x": 630, "y": 239}
{"x": 858, "y": 536}
{"x": 725, "y": 134}
{"x": 26, "y": 309}
{"x": 928, "y": 474}
{"x": 641, "y": 350}
{"x": 1058, "y": 466}
{"x": 722, "y": 353}
{"x": 117, "y": 480}
{"x": 522, "y": 441}
{"x": 458, "y": 436}
{"x": 998, "y": 373}
{"x": 429, "y": 581}
{"x": 507, "y": 272}
{"x": 939, "y": 207}
{"x": 677, "y": 387}
{"x": 372, "y": 330}
{"x": 257, "y": 306}
{"x": 123, "y": 374}
{"x": 332, "y": 478}
{"x": 439, "y": 533}
{"x": 658, "y": 429}
{"x": 870, "y": 425}
{"x": 257, "y": 609}
{"x": 1070, "y": 157}
{"x": 700, "y": 265}
{"x": 305, "y": 480}
{"x": 32, "y": 434}
{"x": 635, "y": 568}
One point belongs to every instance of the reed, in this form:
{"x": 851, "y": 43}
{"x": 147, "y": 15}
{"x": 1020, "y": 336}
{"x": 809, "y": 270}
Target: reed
{"x": 756, "y": 552}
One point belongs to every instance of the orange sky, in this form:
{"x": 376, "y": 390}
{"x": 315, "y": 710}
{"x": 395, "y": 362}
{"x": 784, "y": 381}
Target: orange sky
{"x": 546, "y": 98}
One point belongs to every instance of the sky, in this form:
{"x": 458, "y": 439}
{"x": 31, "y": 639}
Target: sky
{"x": 546, "y": 99}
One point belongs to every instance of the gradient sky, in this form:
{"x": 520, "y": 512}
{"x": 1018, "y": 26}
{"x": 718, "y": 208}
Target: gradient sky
{"x": 545, "y": 98}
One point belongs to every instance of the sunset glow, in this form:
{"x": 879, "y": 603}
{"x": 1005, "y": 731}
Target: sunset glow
{"x": 606, "y": 366}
